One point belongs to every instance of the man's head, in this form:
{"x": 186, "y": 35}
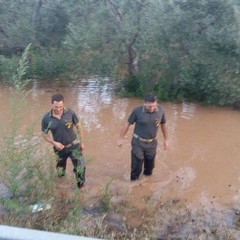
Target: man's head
{"x": 58, "y": 97}
{"x": 150, "y": 102}
{"x": 57, "y": 103}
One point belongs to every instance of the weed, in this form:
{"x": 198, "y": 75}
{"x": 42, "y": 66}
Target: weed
{"x": 105, "y": 199}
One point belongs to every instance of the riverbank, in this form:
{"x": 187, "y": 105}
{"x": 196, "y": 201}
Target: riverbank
{"x": 124, "y": 216}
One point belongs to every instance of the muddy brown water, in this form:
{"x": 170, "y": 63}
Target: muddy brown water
{"x": 201, "y": 165}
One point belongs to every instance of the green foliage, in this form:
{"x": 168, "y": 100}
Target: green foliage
{"x": 132, "y": 84}
{"x": 11, "y": 205}
{"x": 105, "y": 199}
{"x": 21, "y": 162}
{"x": 18, "y": 79}
{"x": 7, "y": 67}
{"x": 164, "y": 89}
{"x": 190, "y": 50}
{"x": 179, "y": 49}
{"x": 16, "y": 29}
{"x": 52, "y": 28}
{"x": 51, "y": 63}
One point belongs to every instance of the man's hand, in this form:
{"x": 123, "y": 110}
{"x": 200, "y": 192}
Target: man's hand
{"x": 82, "y": 146}
{"x": 165, "y": 144}
{"x": 120, "y": 142}
{"x": 123, "y": 132}
{"x": 58, "y": 146}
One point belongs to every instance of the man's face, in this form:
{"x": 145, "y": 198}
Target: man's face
{"x": 150, "y": 106}
{"x": 57, "y": 107}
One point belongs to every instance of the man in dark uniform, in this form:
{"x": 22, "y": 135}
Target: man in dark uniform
{"x": 66, "y": 137}
{"x": 147, "y": 119}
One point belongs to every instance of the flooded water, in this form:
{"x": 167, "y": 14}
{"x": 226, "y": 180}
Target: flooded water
{"x": 201, "y": 165}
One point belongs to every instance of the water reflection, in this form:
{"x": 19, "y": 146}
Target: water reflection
{"x": 93, "y": 96}
{"x": 119, "y": 109}
{"x": 188, "y": 110}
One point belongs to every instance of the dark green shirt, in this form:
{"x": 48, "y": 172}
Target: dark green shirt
{"x": 62, "y": 129}
{"x": 147, "y": 123}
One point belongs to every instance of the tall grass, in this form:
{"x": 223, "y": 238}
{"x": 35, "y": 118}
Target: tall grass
{"x": 23, "y": 166}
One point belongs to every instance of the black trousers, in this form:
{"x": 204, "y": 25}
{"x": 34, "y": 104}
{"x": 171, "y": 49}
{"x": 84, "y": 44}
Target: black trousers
{"x": 142, "y": 153}
{"x": 75, "y": 154}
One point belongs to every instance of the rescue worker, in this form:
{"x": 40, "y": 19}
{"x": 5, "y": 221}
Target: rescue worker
{"x": 66, "y": 137}
{"x": 147, "y": 119}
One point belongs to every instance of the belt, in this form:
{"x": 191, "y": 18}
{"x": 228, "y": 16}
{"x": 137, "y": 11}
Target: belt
{"x": 143, "y": 139}
{"x": 76, "y": 141}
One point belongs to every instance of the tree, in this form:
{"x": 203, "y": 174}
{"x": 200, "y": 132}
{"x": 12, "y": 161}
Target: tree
{"x": 15, "y": 29}
{"x": 192, "y": 48}
{"x": 51, "y": 28}
{"x": 127, "y": 16}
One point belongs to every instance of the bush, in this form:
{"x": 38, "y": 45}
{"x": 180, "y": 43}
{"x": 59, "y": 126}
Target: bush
{"x": 7, "y": 67}
{"x": 52, "y": 63}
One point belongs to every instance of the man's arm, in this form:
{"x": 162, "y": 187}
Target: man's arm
{"x": 123, "y": 132}
{"x": 165, "y": 135}
{"x": 49, "y": 139}
{"x": 80, "y": 135}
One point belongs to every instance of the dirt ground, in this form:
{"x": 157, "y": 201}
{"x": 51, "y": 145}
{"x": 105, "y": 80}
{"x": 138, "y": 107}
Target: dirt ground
{"x": 132, "y": 209}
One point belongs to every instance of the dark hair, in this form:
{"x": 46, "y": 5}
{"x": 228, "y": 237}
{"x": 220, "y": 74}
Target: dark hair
{"x": 150, "y": 97}
{"x": 58, "y": 97}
